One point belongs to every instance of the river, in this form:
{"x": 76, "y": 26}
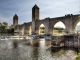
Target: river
{"x": 33, "y": 50}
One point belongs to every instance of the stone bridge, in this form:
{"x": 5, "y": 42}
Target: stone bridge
{"x": 70, "y": 21}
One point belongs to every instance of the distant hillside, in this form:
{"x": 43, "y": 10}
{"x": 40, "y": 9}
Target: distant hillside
{"x": 58, "y": 27}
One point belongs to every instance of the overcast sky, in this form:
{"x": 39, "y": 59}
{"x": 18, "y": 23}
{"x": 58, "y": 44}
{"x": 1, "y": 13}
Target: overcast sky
{"x": 48, "y": 8}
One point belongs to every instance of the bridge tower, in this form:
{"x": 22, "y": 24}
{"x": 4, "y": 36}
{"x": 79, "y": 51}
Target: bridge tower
{"x": 35, "y": 16}
{"x": 15, "y": 20}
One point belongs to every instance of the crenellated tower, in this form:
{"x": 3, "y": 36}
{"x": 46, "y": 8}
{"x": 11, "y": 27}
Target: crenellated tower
{"x": 15, "y": 20}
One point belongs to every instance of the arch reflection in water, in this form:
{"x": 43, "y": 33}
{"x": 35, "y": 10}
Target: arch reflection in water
{"x": 42, "y": 43}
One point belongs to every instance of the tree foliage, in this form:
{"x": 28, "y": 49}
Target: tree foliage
{"x": 4, "y": 28}
{"x": 79, "y": 17}
{"x": 78, "y": 57}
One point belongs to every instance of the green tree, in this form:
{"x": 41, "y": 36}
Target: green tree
{"x": 3, "y": 27}
{"x": 5, "y": 23}
{"x": 79, "y": 17}
{"x": 78, "y": 57}
{"x": 0, "y": 26}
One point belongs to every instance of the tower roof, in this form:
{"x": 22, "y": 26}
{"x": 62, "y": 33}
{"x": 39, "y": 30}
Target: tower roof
{"x": 15, "y": 15}
{"x": 35, "y": 6}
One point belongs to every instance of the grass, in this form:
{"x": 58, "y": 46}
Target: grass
{"x": 59, "y": 32}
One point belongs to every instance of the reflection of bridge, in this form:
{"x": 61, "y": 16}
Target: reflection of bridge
{"x": 70, "y": 21}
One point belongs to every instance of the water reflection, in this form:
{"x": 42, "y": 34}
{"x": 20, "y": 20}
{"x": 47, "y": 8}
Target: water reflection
{"x": 35, "y": 43}
{"x": 15, "y": 44}
{"x": 35, "y": 53}
{"x": 33, "y": 50}
{"x": 42, "y": 43}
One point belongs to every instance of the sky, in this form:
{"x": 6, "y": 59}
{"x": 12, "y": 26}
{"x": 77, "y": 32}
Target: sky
{"x": 48, "y": 8}
{"x": 59, "y": 24}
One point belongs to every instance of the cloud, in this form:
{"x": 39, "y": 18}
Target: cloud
{"x": 59, "y": 24}
{"x": 9, "y": 8}
{"x": 4, "y": 19}
{"x": 55, "y": 8}
{"x": 48, "y": 8}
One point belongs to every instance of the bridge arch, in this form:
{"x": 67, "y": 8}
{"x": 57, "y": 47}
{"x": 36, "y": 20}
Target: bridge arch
{"x": 40, "y": 29}
{"x": 55, "y": 24}
{"x": 75, "y": 24}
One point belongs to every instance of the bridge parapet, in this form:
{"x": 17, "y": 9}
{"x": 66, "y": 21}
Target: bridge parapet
{"x": 68, "y": 15}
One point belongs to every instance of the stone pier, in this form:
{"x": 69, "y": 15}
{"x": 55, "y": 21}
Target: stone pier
{"x": 66, "y": 41}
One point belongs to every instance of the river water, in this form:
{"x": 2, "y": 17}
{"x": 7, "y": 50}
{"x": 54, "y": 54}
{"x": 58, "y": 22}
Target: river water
{"x": 33, "y": 50}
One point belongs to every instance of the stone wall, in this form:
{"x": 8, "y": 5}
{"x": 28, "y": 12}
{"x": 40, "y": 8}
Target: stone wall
{"x": 66, "y": 40}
